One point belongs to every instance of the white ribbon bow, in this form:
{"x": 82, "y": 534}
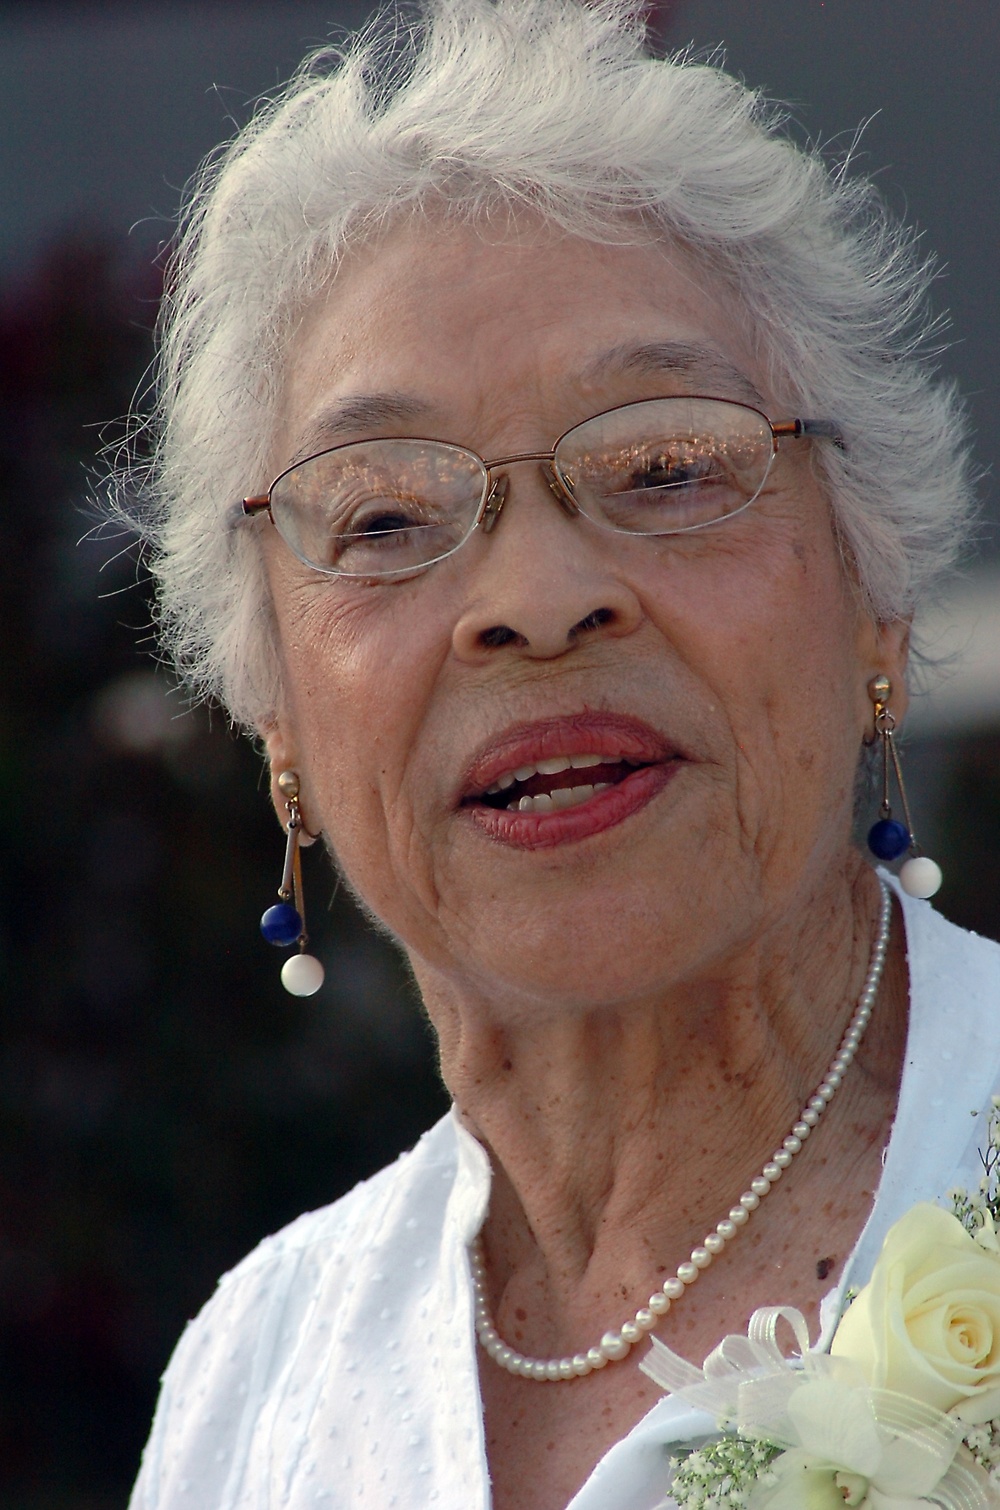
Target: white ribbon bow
{"x": 869, "y": 1447}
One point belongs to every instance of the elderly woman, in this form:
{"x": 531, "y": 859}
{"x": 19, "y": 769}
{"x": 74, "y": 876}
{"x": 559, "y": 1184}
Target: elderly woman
{"x": 591, "y": 484}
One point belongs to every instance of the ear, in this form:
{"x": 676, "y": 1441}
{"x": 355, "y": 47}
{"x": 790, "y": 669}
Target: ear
{"x": 283, "y": 756}
{"x": 884, "y": 650}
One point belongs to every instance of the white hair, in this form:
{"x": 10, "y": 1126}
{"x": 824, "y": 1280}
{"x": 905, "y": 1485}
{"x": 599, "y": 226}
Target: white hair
{"x": 487, "y": 107}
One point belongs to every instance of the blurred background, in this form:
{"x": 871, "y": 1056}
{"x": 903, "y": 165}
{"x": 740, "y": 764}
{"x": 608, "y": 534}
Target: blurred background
{"x": 163, "y": 1103}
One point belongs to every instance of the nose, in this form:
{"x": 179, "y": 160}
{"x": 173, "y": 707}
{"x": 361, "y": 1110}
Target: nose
{"x": 544, "y": 581}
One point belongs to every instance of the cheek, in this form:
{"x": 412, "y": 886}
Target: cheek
{"x": 769, "y": 623}
{"x": 357, "y": 674}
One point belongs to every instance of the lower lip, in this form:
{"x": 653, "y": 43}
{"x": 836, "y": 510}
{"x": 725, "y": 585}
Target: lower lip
{"x": 571, "y": 824}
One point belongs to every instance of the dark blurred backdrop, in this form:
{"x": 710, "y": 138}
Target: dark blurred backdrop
{"x": 163, "y": 1103}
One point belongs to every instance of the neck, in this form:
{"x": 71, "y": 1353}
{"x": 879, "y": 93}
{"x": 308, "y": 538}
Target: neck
{"x": 619, "y": 1135}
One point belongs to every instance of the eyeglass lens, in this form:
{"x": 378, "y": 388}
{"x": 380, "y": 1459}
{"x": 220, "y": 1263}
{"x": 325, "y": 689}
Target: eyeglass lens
{"x": 387, "y": 507}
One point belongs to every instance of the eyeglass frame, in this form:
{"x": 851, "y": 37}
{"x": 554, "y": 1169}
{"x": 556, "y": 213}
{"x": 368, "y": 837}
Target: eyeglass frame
{"x": 495, "y": 488}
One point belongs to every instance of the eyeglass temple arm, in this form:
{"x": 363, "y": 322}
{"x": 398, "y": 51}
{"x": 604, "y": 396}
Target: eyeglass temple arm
{"x": 246, "y": 508}
{"x": 823, "y": 429}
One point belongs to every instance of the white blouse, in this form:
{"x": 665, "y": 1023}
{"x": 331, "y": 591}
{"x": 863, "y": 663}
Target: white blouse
{"x": 337, "y": 1365}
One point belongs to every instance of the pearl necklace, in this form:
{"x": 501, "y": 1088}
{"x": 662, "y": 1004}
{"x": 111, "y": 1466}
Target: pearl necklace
{"x": 616, "y": 1345}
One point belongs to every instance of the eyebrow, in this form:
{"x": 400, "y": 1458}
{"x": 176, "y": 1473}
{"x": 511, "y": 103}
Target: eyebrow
{"x": 702, "y": 367}
{"x": 359, "y": 414}
{"x": 704, "y": 370}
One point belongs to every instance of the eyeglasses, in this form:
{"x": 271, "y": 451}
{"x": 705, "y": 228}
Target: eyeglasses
{"x": 389, "y": 508}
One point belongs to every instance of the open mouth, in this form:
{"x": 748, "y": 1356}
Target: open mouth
{"x": 555, "y": 783}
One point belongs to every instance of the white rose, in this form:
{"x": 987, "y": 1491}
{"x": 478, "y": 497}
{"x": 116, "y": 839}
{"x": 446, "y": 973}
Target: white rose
{"x": 928, "y": 1323}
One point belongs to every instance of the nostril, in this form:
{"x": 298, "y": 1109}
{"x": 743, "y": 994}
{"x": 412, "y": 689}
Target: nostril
{"x": 596, "y": 620}
{"x": 500, "y": 635}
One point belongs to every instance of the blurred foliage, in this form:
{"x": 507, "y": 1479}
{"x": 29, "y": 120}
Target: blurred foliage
{"x": 163, "y": 1103}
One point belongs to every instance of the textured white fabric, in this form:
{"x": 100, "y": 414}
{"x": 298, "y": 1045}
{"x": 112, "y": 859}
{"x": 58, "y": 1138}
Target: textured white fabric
{"x": 336, "y": 1366}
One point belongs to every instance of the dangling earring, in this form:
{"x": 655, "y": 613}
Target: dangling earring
{"x": 285, "y": 923}
{"x": 888, "y": 838}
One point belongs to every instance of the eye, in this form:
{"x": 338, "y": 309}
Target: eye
{"x": 673, "y": 465}
{"x": 384, "y": 517}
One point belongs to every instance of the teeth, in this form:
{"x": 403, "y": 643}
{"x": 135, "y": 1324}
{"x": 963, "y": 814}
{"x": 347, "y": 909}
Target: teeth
{"x": 550, "y": 767}
{"x": 569, "y": 796}
{"x": 502, "y": 784}
{"x": 541, "y": 804}
{"x": 562, "y": 797}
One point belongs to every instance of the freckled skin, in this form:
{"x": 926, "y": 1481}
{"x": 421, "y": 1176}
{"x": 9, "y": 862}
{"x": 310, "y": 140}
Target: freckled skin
{"x": 630, "y": 1023}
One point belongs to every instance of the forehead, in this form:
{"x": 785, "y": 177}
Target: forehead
{"x": 439, "y": 327}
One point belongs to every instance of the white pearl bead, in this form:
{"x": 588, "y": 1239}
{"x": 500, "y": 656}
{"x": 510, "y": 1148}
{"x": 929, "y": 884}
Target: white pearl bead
{"x": 833, "y": 1079}
{"x": 613, "y": 1345}
{"x": 687, "y": 1273}
{"x": 503, "y": 1356}
{"x": 659, "y": 1303}
{"x": 566, "y": 1369}
{"x": 792, "y": 1144}
{"x": 782, "y": 1158}
{"x": 524, "y": 1366}
{"x": 539, "y": 1370}
{"x": 673, "y": 1287}
{"x": 810, "y": 1117}
{"x": 552, "y": 1370}
{"x": 644, "y": 1319}
{"x": 701, "y": 1257}
{"x": 750, "y": 1200}
{"x": 817, "y": 1103}
{"x": 826, "y": 1091}
{"x": 714, "y": 1243}
{"x": 739, "y": 1216}
{"x": 760, "y": 1186}
{"x": 596, "y": 1358}
{"x": 581, "y": 1365}
{"x": 727, "y": 1228}
{"x": 920, "y": 877}
{"x": 771, "y": 1172}
{"x": 631, "y": 1333}
{"x": 801, "y": 1130}
{"x": 302, "y": 975}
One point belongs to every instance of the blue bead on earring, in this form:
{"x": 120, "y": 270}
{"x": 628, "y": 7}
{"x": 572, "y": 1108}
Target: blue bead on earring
{"x": 284, "y": 924}
{"x": 888, "y": 838}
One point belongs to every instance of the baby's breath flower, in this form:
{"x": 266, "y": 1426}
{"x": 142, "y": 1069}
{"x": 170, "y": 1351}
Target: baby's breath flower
{"x": 721, "y": 1475}
{"x": 984, "y": 1444}
{"x": 981, "y": 1208}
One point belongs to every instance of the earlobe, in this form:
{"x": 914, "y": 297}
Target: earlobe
{"x": 283, "y": 758}
{"x": 884, "y": 651}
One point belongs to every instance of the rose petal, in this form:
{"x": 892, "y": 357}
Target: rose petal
{"x": 981, "y": 1406}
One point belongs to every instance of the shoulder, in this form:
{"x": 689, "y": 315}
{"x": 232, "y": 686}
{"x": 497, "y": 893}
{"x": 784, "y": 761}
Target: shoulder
{"x": 232, "y": 1357}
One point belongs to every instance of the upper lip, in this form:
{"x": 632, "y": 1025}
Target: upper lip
{"x": 616, "y": 735}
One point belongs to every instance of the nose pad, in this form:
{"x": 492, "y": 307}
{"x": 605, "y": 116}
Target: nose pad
{"x": 495, "y": 499}
{"x": 561, "y": 491}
